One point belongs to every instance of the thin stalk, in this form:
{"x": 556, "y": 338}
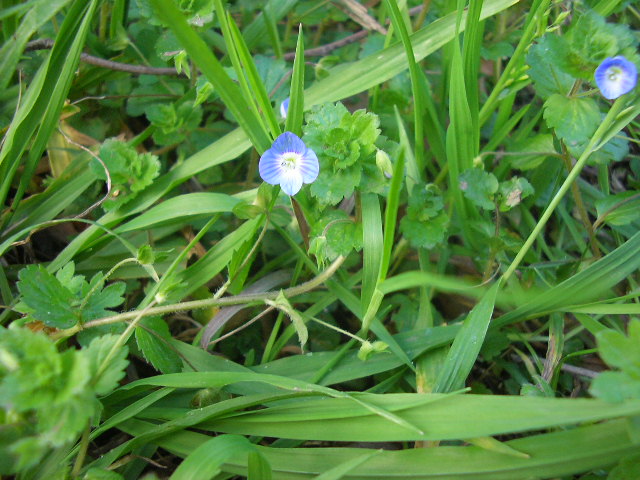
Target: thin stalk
{"x": 582, "y": 209}
{"x": 176, "y": 261}
{"x": 210, "y": 302}
{"x": 82, "y": 452}
{"x": 607, "y": 123}
{"x": 418, "y": 100}
{"x": 338, "y": 329}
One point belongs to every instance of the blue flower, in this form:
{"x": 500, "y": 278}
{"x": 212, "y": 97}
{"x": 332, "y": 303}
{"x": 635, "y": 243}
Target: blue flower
{"x": 284, "y": 108}
{"x": 616, "y": 76}
{"x": 289, "y": 163}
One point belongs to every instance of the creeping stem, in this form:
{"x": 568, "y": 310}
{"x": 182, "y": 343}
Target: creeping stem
{"x": 209, "y": 302}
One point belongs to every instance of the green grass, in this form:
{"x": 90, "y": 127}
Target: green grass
{"x": 453, "y": 282}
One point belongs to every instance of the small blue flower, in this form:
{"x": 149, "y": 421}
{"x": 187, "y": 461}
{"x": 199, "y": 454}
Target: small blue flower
{"x": 289, "y": 163}
{"x": 616, "y": 76}
{"x": 284, "y": 108}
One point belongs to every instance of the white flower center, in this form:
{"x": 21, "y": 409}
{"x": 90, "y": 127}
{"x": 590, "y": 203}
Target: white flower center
{"x": 613, "y": 74}
{"x": 289, "y": 161}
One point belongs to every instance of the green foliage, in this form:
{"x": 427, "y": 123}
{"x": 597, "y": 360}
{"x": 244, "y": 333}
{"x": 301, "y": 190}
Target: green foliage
{"x": 591, "y": 39}
{"x": 335, "y": 234}
{"x": 574, "y": 119}
{"x": 101, "y": 474}
{"x": 282, "y": 304}
{"x": 346, "y": 147}
{"x": 63, "y": 300}
{"x": 390, "y": 294}
{"x": 627, "y": 469}
{"x": 480, "y": 187}
{"x": 154, "y": 340}
{"x": 614, "y": 150}
{"x": 557, "y": 60}
{"x": 425, "y": 224}
{"x": 620, "y": 209}
{"x": 48, "y": 397}
{"x": 130, "y": 171}
{"x": 172, "y": 126}
{"x": 621, "y": 352}
{"x": 532, "y": 151}
{"x": 545, "y": 67}
{"x": 107, "y": 362}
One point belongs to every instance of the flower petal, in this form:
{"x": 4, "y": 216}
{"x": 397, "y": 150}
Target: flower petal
{"x": 289, "y": 142}
{"x": 623, "y": 82}
{"x": 309, "y": 166}
{"x": 270, "y": 167}
{"x": 291, "y": 181}
{"x": 284, "y": 108}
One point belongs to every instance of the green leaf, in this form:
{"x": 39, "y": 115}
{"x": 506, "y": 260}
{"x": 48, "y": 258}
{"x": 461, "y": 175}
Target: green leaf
{"x": 466, "y": 346}
{"x": 591, "y": 39}
{"x": 334, "y": 234}
{"x": 201, "y": 54}
{"x": 146, "y": 96}
{"x": 479, "y": 187}
{"x": 173, "y": 124}
{"x": 627, "y": 469}
{"x": 345, "y": 145}
{"x": 282, "y": 304}
{"x": 425, "y": 234}
{"x": 544, "y": 59}
{"x": 620, "y": 209}
{"x": 97, "y": 304}
{"x": 61, "y": 301}
{"x": 574, "y": 119}
{"x": 38, "y": 14}
{"x": 48, "y": 393}
{"x": 531, "y": 152}
{"x": 425, "y": 224}
{"x": 46, "y": 299}
{"x": 342, "y": 469}
{"x": 293, "y": 122}
{"x": 258, "y": 467}
{"x": 204, "y": 89}
{"x": 107, "y": 377}
{"x": 549, "y": 452}
{"x": 621, "y": 351}
{"x": 331, "y": 189}
{"x": 130, "y": 171}
{"x": 615, "y": 387}
{"x": 102, "y": 474}
{"x": 206, "y": 461}
{"x": 153, "y": 338}
{"x": 614, "y": 150}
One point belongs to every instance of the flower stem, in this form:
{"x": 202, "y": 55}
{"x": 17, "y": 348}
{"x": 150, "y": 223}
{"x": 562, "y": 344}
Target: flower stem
{"x": 209, "y": 302}
{"x": 573, "y": 175}
{"x": 82, "y": 452}
{"x": 338, "y": 329}
{"x": 582, "y": 210}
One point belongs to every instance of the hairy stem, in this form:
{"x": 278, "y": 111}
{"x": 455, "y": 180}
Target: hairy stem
{"x": 197, "y": 304}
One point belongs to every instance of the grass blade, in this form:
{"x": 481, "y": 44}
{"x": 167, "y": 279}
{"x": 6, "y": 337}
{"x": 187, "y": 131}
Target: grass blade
{"x": 38, "y": 13}
{"x": 467, "y": 344}
{"x": 372, "y": 250}
{"x": 416, "y": 85}
{"x": 205, "y": 462}
{"x": 212, "y": 69}
{"x": 293, "y": 122}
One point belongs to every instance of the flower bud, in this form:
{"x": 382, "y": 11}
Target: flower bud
{"x": 384, "y": 163}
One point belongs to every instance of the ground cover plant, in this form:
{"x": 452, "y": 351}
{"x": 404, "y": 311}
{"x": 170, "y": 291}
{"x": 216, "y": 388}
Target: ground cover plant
{"x": 291, "y": 239}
